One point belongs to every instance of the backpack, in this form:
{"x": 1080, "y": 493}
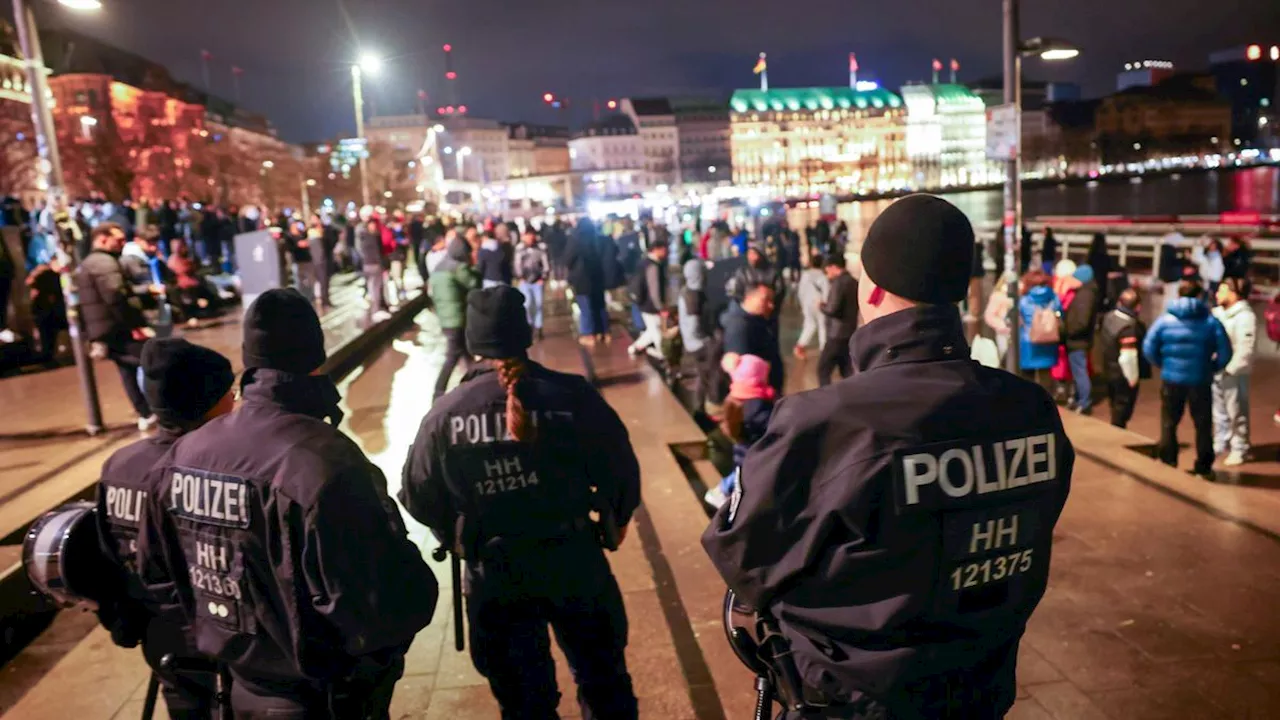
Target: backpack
{"x": 1272, "y": 316}
{"x": 1045, "y": 328}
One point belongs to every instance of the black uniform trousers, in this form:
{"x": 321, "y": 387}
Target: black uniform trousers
{"x": 510, "y": 603}
{"x": 1122, "y": 397}
{"x": 455, "y": 350}
{"x": 834, "y": 356}
{"x": 367, "y": 697}
{"x": 1174, "y": 400}
{"x": 187, "y": 695}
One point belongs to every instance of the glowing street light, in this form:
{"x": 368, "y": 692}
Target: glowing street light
{"x": 268, "y": 164}
{"x": 88, "y": 120}
{"x": 438, "y": 128}
{"x": 311, "y": 183}
{"x": 81, "y": 5}
{"x": 371, "y": 64}
{"x": 461, "y": 157}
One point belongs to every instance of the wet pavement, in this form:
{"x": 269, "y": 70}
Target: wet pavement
{"x": 1157, "y": 607}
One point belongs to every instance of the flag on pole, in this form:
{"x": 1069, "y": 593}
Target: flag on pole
{"x": 205, "y": 55}
{"x": 853, "y": 63}
{"x": 761, "y": 65}
{"x": 236, "y": 71}
{"x": 937, "y": 65}
{"x": 955, "y": 65}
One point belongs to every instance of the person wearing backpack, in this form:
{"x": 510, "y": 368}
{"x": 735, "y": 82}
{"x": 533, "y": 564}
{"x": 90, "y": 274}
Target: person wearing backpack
{"x": 1040, "y": 329}
{"x": 1189, "y": 346}
{"x": 1231, "y": 386}
{"x": 648, "y": 288}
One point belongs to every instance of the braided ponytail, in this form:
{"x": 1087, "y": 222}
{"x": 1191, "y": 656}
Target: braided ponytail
{"x": 510, "y": 372}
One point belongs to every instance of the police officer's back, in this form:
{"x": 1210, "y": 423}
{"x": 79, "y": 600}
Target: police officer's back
{"x": 277, "y": 536}
{"x": 503, "y": 470}
{"x": 186, "y": 385}
{"x": 898, "y": 523}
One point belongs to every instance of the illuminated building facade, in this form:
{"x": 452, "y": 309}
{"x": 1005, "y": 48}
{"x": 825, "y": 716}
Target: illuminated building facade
{"x": 1181, "y": 116}
{"x": 803, "y": 141}
{"x": 1249, "y": 76}
{"x": 18, "y": 175}
{"x": 946, "y": 136}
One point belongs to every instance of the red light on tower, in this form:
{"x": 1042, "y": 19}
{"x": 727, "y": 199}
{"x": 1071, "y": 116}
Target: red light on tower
{"x": 448, "y": 110}
{"x": 548, "y": 97}
{"x": 448, "y": 47}
{"x": 613, "y": 104}
{"x": 440, "y": 110}
{"x": 462, "y": 109}
{"x": 451, "y": 75}
{"x": 1254, "y": 52}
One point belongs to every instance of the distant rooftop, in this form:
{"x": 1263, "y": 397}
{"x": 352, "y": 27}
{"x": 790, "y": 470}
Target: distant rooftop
{"x": 609, "y": 125}
{"x": 828, "y": 98}
{"x": 947, "y": 93}
{"x": 651, "y": 106}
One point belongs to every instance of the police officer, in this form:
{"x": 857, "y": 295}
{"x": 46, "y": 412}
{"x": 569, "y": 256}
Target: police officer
{"x": 186, "y": 386}
{"x": 507, "y": 470}
{"x": 898, "y": 524}
{"x": 275, "y": 534}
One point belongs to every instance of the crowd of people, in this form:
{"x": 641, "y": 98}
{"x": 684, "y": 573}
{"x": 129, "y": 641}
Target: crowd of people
{"x": 1203, "y": 340}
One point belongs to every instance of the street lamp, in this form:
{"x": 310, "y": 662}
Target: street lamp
{"x": 268, "y": 164}
{"x": 49, "y": 168}
{"x": 371, "y": 64}
{"x": 1050, "y": 50}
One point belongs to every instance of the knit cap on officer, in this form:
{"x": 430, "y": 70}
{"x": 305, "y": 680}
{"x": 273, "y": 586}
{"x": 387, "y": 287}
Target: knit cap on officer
{"x": 183, "y": 382}
{"x": 282, "y": 332}
{"x": 497, "y": 324}
{"x": 920, "y": 249}
{"x": 498, "y": 329}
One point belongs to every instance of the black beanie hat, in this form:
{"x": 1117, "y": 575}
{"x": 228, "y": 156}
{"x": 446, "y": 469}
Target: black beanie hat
{"x": 282, "y": 332}
{"x": 497, "y": 326}
{"x": 921, "y": 249}
{"x": 183, "y": 381}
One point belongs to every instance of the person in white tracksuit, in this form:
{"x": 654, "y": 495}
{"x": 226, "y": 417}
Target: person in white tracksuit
{"x": 1231, "y": 386}
{"x": 812, "y": 290}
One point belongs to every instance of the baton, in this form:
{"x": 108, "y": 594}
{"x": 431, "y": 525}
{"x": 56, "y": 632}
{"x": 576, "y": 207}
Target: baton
{"x": 455, "y": 567}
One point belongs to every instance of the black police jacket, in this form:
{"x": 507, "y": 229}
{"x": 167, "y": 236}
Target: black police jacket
{"x": 469, "y": 481}
{"x": 125, "y": 608}
{"x": 898, "y": 523}
{"x": 275, "y": 534}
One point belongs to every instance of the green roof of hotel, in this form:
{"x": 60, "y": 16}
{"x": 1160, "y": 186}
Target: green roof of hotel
{"x": 832, "y": 98}
{"x": 952, "y": 92}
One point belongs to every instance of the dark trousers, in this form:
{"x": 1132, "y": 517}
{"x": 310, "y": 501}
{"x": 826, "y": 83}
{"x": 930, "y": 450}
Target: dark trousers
{"x": 127, "y": 357}
{"x": 6, "y": 284}
{"x": 375, "y": 287}
{"x": 511, "y": 647}
{"x": 455, "y": 350}
{"x": 365, "y": 697}
{"x": 704, "y": 361}
{"x": 1122, "y": 397}
{"x": 188, "y": 695}
{"x": 1174, "y": 400}
{"x": 834, "y": 356}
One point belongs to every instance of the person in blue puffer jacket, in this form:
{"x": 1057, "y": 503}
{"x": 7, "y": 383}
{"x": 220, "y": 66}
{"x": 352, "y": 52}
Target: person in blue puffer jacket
{"x": 1035, "y": 358}
{"x": 1189, "y": 346}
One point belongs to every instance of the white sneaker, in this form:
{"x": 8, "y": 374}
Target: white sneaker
{"x": 1234, "y": 459}
{"x": 146, "y": 423}
{"x": 715, "y": 498}
{"x": 381, "y": 315}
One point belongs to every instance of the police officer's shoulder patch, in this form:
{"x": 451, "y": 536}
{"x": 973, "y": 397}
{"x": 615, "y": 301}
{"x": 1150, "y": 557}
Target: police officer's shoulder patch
{"x": 735, "y": 498}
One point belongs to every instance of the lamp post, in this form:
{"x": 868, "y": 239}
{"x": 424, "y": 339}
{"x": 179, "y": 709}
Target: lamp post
{"x": 50, "y": 168}
{"x": 1015, "y": 49}
{"x": 368, "y": 64}
{"x": 460, "y": 156}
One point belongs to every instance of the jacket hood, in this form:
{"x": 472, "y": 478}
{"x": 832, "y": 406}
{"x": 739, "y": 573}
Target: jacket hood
{"x": 1187, "y": 308}
{"x": 489, "y": 244}
{"x": 436, "y": 258}
{"x": 1084, "y": 274}
{"x": 1041, "y": 294}
{"x": 695, "y": 274}
{"x": 459, "y": 251}
{"x": 132, "y": 249}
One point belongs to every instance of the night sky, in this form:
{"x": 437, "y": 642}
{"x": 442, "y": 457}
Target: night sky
{"x": 296, "y": 53}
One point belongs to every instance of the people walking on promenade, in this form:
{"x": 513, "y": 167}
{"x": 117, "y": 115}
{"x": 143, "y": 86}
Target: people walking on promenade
{"x": 113, "y": 314}
{"x": 840, "y": 311}
{"x": 649, "y": 290}
{"x": 696, "y": 330}
{"x": 811, "y": 292}
{"x": 1231, "y": 385}
{"x": 532, "y": 271}
{"x": 1080, "y": 322}
{"x": 452, "y": 278}
{"x": 1039, "y": 329}
{"x": 1123, "y": 366}
{"x": 584, "y": 266}
{"x": 1189, "y": 346}
{"x": 749, "y": 330}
